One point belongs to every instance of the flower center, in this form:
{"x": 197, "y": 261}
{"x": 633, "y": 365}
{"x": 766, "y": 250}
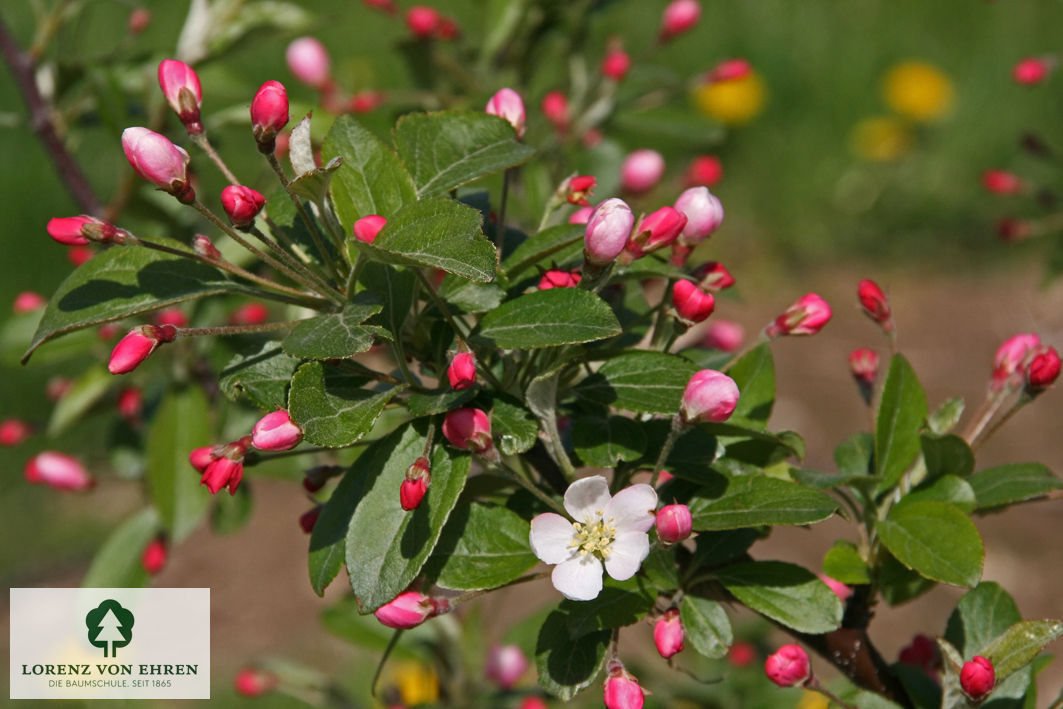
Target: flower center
{"x": 593, "y": 536}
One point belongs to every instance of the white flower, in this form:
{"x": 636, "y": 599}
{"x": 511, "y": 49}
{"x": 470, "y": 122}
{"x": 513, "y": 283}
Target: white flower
{"x": 607, "y": 529}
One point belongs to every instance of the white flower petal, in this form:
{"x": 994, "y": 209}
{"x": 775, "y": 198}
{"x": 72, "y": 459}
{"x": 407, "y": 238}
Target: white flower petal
{"x": 626, "y": 554}
{"x": 587, "y": 497}
{"x": 550, "y": 536}
{"x": 633, "y": 508}
{"x": 579, "y": 578}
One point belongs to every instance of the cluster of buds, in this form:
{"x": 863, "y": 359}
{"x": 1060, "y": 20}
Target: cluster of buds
{"x": 415, "y": 486}
{"x": 137, "y": 346}
{"x": 1022, "y": 360}
{"x": 409, "y": 609}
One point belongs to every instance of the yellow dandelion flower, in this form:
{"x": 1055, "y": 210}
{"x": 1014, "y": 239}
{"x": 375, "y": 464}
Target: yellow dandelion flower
{"x": 417, "y": 683}
{"x": 880, "y": 138}
{"x": 918, "y": 90}
{"x": 733, "y": 102}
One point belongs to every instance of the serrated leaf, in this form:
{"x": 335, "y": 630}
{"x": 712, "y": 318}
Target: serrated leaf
{"x": 603, "y": 442}
{"x": 946, "y": 455}
{"x": 387, "y": 546}
{"x": 514, "y": 427}
{"x": 901, "y": 413}
{"x": 754, "y": 374}
{"x": 785, "y": 593}
{"x": 645, "y": 382}
{"x": 706, "y": 626}
{"x": 83, "y": 394}
{"x": 553, "y": 244}
{"x": 448, "y": 149}
{"x": 935, "y": 539}
{"x": 617, "y": 605}
{"x": 481, "y": 547}
{"x": 855, "y": 456}
{"x": 117, "y": 563}
{"x": 947, "y": 488}
{"x": 717, "y": 548}
{"x": 371, "y": 180}
{"x": 262, "y": 375}
{"x": 1011, "y": 483}
{"x": 984, "y": 613}
{"x": 559, "y": 316}
{"x": 332, "y": 406}
{"x": 470, "y": 296}
{"x": 437, "y": 402}
{"x": 314, "y": 185}
{"x": 751, "y": 501}
{"x": 843, "y": 562}
{"x": 1020, "y": 644}
{"x": 335, "y": 335}
{"x": 567, "y": 665}
{"x": 181, "y": 424}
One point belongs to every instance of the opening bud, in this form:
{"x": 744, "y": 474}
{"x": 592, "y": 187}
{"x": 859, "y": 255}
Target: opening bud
{"x": 704, "y": 214}
{"x": 154, "y": 556}
{"x": 58, "y": 471}
{"x": 366, "y": 228}
{"x": 977, "y": 678}
{"x": 462, "y": 371}
{"x": 806, "y": 316}
{"x": 469, "y": 429}
{"x": 415, "y": 486}
{"x": 674, "y": 524}
{"x": 710, "y": 396}
{"x": 226, "y": 468}
{"x": 507, "y": 103}
{"x": 269, "y": 114}
{"x": 505, "y": 665}
{"x": 692, "y": 304}
{"x": 788, "y": 666}
{"x": 180, "y": 86}
{"x": 137, "y": 346}
{"x": 276, "y": 432}
{"x": 680, "y": 16}
{"x": 308, "y": 60}
{"x": 607, "y": 231}
{"x": 576, "y": 190}
{"x": 621, "y": 690}
{"x": 242, "y": 204}
{"x": 410, "y": 609}
{"x": 159, "y": 161}
{"x": 714, "y": 276}
{"x": 641, "y": 170}
{"x": 668, "y": 634}
{"x": 559, "y": 279}
{"x": 654, "y": 231}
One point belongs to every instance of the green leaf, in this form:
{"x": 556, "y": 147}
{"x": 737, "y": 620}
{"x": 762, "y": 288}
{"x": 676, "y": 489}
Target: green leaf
{"x": 448, "y": 149}
{"x": 1011, "y": 483}
{"x": 555, "y": 244}
{"x": 855, "y": 455}
{"x": 617, "y": 605}
{"x": 947, "y": 488}
{"x": 602, "y": 442}
{"x": 559, "y": 316}
{"x": 706, "y": 626}
{"x": 935, "y": 539}
{"x": 1020, "y": 644}
{"x": 394, "y": 288}
{"x": 125, "y": 281}
{"x": 660, "y": 568}
{"x": 514, "y": 427}
{"x": 565, "y": 664}
{"x": 470, "y": 296}
{"x": 332, "y": 406}
{"x": 481, "y": 547}
{"x": 117, "y": 563}
{"x": 387, "y": 546}
{"x": 262, "y": 375}
{"x": 335, "y": 335}
{"x": 750, "y": 501}
{"x": 645, "y": 382}
{"x": 785, "y": 593}
{"x": 314, "y": 185}
{"x": 85, "y": 392}
{"x": 945, "y": 418}
{"x": 843, "y": 562}
{"x": 371, "y": 180}
{"x": 437, "y": 402}
{"x": 754, "y": 374}
{"x": 984, "y": 613}
{"x": 328, "y": 538}
{"x": 901, "y": 414}
{"x": 900, "y": 584}
{"x": 437, "y": 233}
{"x": 180, "y": 425}
{"x": 717, "y": 548}
{"x": 946, "y": 455}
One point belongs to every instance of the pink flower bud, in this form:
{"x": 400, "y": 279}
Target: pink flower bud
{"x": 13, "y": 432}
{"x": 555, "y": 107}
{"x": 1043, "y": 370}
{"x": 704, "y": 214}
{"x": 607, "y": 231}
{"x": 366, "y": 228}
{"x": 806, "y": 316}
{"x": 276, "y": 432}
{"x": 714, "y": 276}
{"x": 674, "y": 524}
{"x": 863, "y": 363}
{"x": 139, "y": 19}
{"x": 577, "y": 189}
{"x": 410, "y": 609}
{"x": 462, "y": 371}
{"x": 505, "y": 665}
{"x": 977, "y": 678}
{"x": 1032, "y": 70}
{"x": 159, "y": 161}
{"x": 705, "y": 171}
{"x": 200, "y": 458}
{"x": 154, "y": 556}
{"x": 137, "y": 346}
{"x": 679, "y": 17}
{"x": 641, "y": 170}
{"x": 692, "y": 304}
{"x": 269, "y": 114}
{"x": 469, "y": 429}
{"x": 242, "y": 204}
{"x": 308, "y": 61}
{"x": 668, "y": 631}
{"x": 249, "y": 314}
{"x": 788, "y": 666}
{"x": 415, "y": 486}
{"x": 581, "y": 215}
{"x": 171, "y": 316}
{"x": 308, "y": 519}
{"x": 724, "y": 335}
{"x": 205, "y": 247}
{"x": 709, "y": 396}
{"x": 78, "y": 231}
{"x": 741, "y": 654}
{"x": 58, "y": 471}
{"x": 1011, "y": 356}
{"x": 27, "y": 301}
{"x": 616, "y": 64}
{"x": 559, "y": 279}
{"x": 922, "y": 652}
{"x": 130, "y": 403}
{"x": 837, "y": 587}
{"x": 507, "y": 103}
{"x": 874, "y": 302}
{"x": 1013, "y": 229}
{"x": 654, "y": 231}
{"x": 622, "y": 691}
{"x": 226, "y": 468}
{"x": 729, "y": 70}
{"x": 250, "y": 682}
{"x": 422, "y": 21}
{"x": 1002, "y": 182}
{"x": 180, "y": 86}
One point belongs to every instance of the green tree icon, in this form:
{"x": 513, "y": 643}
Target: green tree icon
{"x": 110, "y": 623}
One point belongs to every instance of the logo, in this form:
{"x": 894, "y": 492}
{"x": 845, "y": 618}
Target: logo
{"x": 110, "y": 624}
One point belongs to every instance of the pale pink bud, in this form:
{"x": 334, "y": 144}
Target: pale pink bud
{"x": 724, "y": 335}
{"x": 27, "y": 301}
{"x": 837, "y": 587}
{"x": 729, "y": 70}
{"x": 468, "y": 428}
{"x": 654, "y": 231}
{"x": 226, "y": 469}
{"x": 422, "y": 21}
{"x": 641, "y": 170}
{"x": 1032, "y": 70}
{"x": 555, "y": 107}
{"x": 1002, "y": 182}
{"x": 308, "y": 519}
{"x": 874, "y": 302}
{"x": 58, "y": 471}
{"x": 276, "y": 432}
{"x": 415, "y": 486}
{"x": 863, "y": 363}
{"x": 622, "y": 691}
{"x": 410, "y": 609}
{"x": 505, "y": 665}
{"x": 577, "y": 189}
{"x": 171, "y": 316}
{"x": 137, "y": 345}
{"x": 130, "y": 403}
{"x": 1043, "y": 370}
{"x": 269, "y": 114}
{"x": 679, "y": 17}
{"x": 462, "y": 371}
{"x": 308, "y": 61}
{"x": 242, "y": 204}
{"x": 251, "y": 682}
{"x": 13, "y": 432}
{"x": 668, "y": 632}
{"x": 714, "y": 276}
{"x": 139, "y": 19}
{"x": 616, "y": 64}
{"x": 154, "y": 556}
{"x": 249, "y": 314}
{"x": 691, "y": 303}
{"x": 977, "y": 678}
{"x": 159, "y": 161}
{"x": 704, "y": 170}
{"x": 788, "y": 666}
{"x": 806, "y": 316}
{"x": 180, "y": 86}
{"x": 559, "y": 279}
{"x": 200, "y": 458}
{"x": 581, "y": 215}
{"x": 704, "y": 214}
{"x": 709, "y": 396}
{"x": 366, "y": 228}
{"x": 674, "y": 524}
{"x": 507, "y": 103}
{"x": 607, "y": 231}
{"x": 1011, "y": 356}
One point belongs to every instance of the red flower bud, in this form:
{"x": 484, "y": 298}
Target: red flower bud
{"x": 415, "y": 486}
{"x": 704, "y": 214}
{"x": 692, "y": 304}
{"x": 251, "y": 682}
{"x": 308, "y": 61}
{"x": 680, "y": 16}
{"x": 559, "y": 279}
{"x": 180, "y": 86}
{"x": 533, "y": 702}
{"x": 874, "y": 302}
{"x": 469, "y": 429}
{"x": 226, "y": 468}
{"x": 130, "y": 403}
{"x": 729, "y": 70}
{"x": 366, "y": 228}
{"x": 276, "y": 432}
{"x": 668, "y": 634}
{"x": 704, "y": 171}
{"x": 655, "y": 231}
{"x": 200, "y": 458}
{"x": 410, "y": 609}
{"x": 422, "y": 21}
{"x": 137, "y": 346}
{"x": 977, "y": 678}
{"x": 806, "y": 316}
{"x": 616, "y": 64}
{"x": 1043, "y": 370}
{"x": 154, "y": 556}
{"x": 714, "y": 276}
{"x": 205, "y": 247}
{"x": 242, "y": 204}
{"x": 641, "y": 170}
{"x": 159, "y": 161}
{"x": 863, "y": 363}
{"x": 724, "y": 335}
{"x": 922, "y": 652}
{"x": 622, "y": 691}
{"x": 448, "y": 29}
{"x": 555, "y": 107}
{"x": 1032, "y": 70}
{"x": 1002, "y": 182}
{"x": 308, "y": 519}
{"x": 709, "y": 396}
{"x": 674, "y": 524}
{"x": 249, "y": 314}
{"x": 13, "y": 432}
{"x": 507, "y": 103}
{"x": 269, "y": 114}
{"x": 27, "y": 301}
{"x": 67, "y": 230}
{"x": 607, "y": 231}
{"x": 58, "y": 471}
{"x": 577, "y": 189}
{"x": 788, "y": 666}
{"x": 462, "y": 371}
{"x": 505, "y": 665}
